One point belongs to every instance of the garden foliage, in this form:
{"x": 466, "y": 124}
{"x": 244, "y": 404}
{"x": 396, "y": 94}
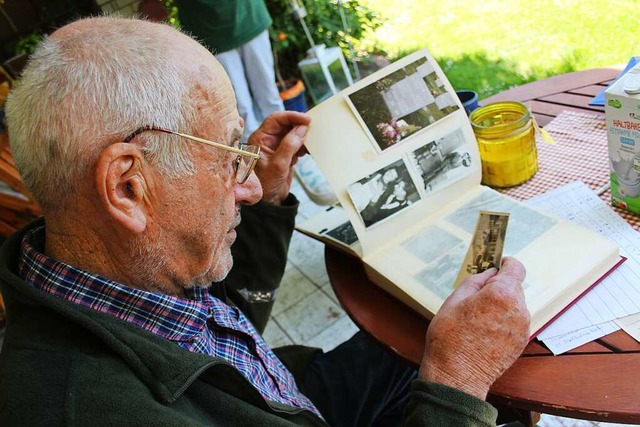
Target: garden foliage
{"x": 325, "y": 25}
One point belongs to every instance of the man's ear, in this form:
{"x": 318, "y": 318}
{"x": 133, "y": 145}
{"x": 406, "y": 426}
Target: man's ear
{"x": 121, "y": 184}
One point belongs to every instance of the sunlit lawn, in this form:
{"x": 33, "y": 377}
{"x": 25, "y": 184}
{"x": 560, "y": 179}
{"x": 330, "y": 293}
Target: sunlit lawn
{"x": 492, "y": 45}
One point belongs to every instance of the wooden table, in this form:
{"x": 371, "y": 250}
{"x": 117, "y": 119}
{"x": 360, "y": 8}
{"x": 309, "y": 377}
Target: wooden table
{"x": 598, "y": 381}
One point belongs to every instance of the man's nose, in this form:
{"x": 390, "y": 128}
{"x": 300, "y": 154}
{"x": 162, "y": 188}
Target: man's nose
{"x": 249, "y": 192}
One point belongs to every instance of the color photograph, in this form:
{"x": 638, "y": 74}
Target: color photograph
{"x": 401, "y": 104}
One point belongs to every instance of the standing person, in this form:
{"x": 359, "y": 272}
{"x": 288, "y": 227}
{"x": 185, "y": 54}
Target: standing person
{"x": 237, "y": 33}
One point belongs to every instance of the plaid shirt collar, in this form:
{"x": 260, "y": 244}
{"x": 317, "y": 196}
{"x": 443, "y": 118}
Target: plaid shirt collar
{"x": 173, "y": 318}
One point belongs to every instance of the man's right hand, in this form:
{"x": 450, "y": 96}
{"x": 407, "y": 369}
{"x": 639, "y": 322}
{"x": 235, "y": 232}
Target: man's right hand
{"x": 281, "y": 137}
{"x": 479, "y": 332}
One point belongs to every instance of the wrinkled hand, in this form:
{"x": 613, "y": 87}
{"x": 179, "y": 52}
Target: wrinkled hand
{"x": 479, "y": 332}
{"x": 280, "y": 137}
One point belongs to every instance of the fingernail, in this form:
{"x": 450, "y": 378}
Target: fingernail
{"x": 301, "y": 131}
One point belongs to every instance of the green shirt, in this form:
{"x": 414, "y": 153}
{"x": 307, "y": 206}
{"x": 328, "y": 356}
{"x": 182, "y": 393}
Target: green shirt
{"x": 223, "y": 25}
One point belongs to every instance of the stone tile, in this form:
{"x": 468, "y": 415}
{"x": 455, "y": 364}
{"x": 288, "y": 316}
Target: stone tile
{"x": 554, "y": 421}
{"x": 328, "y": 289}
{"x": 275, "y": 336}
{"x": 308, "y": 255}
{"x": 308, "y": 210}
{"x": 293, "y": 288}
{"x": 308, "y": 318}
{"x": 334, "y": 335}
{"x": 307, "y": 207}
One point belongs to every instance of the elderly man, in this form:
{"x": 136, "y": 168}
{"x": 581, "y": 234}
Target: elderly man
{"x": 127, "y": 134}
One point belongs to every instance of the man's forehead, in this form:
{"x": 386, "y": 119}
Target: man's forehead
{"x": 215, "y": 100}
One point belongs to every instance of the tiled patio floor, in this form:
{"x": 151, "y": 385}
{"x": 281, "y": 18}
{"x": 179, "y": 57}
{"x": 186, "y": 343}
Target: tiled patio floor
{"x": 307, "y": 311}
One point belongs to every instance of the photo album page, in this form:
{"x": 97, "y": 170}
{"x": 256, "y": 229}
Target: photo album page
{"x": 393, "y": 146}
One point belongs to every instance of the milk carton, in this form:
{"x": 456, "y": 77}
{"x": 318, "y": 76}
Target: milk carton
{"x": 622, "y": 112}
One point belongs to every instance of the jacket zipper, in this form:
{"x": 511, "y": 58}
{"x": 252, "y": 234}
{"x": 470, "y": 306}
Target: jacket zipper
{"x": 203, "y": 368}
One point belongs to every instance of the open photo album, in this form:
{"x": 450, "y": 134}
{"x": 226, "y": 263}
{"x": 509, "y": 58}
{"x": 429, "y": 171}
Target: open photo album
{"x": 399, "y": 151}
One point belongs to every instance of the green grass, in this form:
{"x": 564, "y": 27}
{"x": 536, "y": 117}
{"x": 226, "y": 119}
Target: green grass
{"x": 492, "y": 45}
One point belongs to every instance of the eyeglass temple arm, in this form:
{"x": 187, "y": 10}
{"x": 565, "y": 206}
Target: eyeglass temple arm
{"x": 215, "y": 144}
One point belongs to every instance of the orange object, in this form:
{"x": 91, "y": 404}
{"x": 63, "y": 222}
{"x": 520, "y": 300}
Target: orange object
{"x": 4, "y": 91}
{"x": 292, "y": 89}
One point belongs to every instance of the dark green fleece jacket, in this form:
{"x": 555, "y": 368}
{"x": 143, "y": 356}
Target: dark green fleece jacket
{"x": 63, "y": 364}
{"x": 259, "y": 258}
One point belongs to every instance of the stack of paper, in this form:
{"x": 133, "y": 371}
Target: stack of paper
{"x": 615, "y": 302}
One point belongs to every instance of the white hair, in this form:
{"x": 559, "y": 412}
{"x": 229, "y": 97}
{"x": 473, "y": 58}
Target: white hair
{"x": 91, "y": 87}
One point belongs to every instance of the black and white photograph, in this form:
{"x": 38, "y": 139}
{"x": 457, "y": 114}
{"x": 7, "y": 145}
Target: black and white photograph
{"x": 344, "y": 233}
{"x": 402, "y": 103}
{"x": 442, "y": 161}
{"x": 431, "y": 243}
{"x": 440, "y": 274}
{"x": 525, "y": 224}
{"x": 487, "y": 243}
{"x": 382, "y": 194}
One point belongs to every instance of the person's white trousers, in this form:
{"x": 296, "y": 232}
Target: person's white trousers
{"x": 250, "y": 69}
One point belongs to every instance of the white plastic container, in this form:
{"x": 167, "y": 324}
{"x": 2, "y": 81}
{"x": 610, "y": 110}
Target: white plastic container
{"x": 622, "y": 112}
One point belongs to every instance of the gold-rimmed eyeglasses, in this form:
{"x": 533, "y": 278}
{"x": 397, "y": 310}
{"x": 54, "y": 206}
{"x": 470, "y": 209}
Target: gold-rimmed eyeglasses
{"x": 248, "y": 155}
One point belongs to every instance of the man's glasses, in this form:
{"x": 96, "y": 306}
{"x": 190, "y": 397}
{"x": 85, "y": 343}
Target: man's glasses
{"x": 248, "y": 155}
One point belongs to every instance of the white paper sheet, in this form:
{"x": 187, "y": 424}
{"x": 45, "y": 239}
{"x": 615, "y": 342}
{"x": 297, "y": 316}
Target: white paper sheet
{"x": 565, "y": 342}
{"x": 616, "y": 296}
{"x": 631, "y": 325}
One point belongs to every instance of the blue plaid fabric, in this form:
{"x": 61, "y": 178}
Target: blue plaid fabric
{"x": 199, "y": 323}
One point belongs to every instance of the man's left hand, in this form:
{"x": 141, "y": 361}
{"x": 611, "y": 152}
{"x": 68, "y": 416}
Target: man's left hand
{"x": 280, "y": 137}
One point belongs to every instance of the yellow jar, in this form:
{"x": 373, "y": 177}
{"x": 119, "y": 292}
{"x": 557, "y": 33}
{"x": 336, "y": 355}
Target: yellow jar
{"x": 507, "y": 141}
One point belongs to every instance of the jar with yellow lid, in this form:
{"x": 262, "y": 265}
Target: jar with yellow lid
{"x": 506, "y": 138}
